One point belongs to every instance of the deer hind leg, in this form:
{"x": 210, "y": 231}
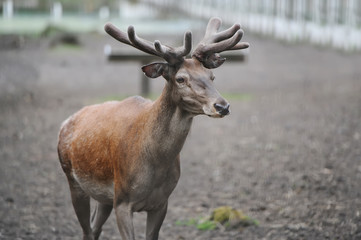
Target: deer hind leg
{"x": 81, "y": 204}
{"x": 100, "y": 215}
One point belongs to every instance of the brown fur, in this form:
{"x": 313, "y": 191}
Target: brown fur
{"x": 125, "y": 154}
{"x": 94, "y": 136}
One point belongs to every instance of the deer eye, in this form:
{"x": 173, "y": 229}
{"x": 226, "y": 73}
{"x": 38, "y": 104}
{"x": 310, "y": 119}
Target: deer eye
{"x": 180, "y": 80}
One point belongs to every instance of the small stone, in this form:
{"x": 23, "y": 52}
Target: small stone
{"x": 9, "y": 200}
{"x": 326, "y": 171}
{"x": 54, "y": 230}
{"x": 297, "y": 226}
{"x": 356, "y": 136}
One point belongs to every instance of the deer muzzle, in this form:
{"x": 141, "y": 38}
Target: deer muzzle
{"x": 222, "y": 109}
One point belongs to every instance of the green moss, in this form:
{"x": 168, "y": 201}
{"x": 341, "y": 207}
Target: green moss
{"x": 66, "y": 48}
{"x": 238, "y": 96}
{"x": 231, "y": 218}
{"x": 226, "y": 216}
{"x": 206, "y": 225}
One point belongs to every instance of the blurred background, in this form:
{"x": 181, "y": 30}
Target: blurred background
{"x": 334, "y": 23}
{"x": 288, "y": 157}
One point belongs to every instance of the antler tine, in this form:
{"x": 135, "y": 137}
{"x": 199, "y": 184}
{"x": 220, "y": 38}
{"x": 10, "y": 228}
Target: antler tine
{"x": 187, "y": 45}
{"x": 172, "y": 55}
{"x": 166, "y": 52}
{"x": 241, "y": 45}
{"x": 124, "y": 38}
{"x": 213, "y": 43}
{"x": 178, "y": 52}
{"x": 213, "y": 25}
{"x": 226, "y": 33}
{"x": 160, "y": 48}
{"x": 169, "y": 54}
{"x": 224, "y": 45}
{"x": 141, "y": 44}
{"x": 117, "y": 34}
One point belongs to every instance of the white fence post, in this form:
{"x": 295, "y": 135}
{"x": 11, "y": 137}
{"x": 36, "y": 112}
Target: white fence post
{"x": 326, "y": 22}
{"x": 104, "y": 13}
{"x": 8, "y": 9}
{"x": 57, "y": 12}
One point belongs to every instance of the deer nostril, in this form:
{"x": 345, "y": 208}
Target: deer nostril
{"x": 222, "y": 109}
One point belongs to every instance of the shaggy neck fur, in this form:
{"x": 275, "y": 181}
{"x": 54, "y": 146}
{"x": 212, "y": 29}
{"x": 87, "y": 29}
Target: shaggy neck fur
{"x": 170, "y": 125}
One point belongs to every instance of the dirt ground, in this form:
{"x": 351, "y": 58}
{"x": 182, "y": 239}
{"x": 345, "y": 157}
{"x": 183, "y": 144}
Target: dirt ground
{"x": 289, "y": 155}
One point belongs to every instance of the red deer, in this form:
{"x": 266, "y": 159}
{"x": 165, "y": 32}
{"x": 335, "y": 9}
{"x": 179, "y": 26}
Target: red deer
{"x": 125, "y": 154}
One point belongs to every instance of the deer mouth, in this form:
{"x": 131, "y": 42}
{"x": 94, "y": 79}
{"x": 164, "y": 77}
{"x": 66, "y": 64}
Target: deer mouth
{"x": 218, "y": 115}
{"x": 216, "y": 111}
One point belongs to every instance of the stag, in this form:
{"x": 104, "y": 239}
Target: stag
{"x": 125, "y": 154}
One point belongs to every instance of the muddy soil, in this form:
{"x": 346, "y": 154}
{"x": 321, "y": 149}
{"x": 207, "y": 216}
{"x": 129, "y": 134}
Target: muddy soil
{"x": 289, "y": 155}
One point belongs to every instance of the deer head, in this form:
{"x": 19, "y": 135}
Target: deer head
{"x": 190, "y": 80}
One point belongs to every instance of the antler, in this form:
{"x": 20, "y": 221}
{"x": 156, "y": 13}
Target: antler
{"x": 170, "y": 54}
{"x": 215, "y": 42}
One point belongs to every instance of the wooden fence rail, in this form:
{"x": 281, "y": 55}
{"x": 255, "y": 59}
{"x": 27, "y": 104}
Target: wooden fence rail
{"x": 143, "y": 58}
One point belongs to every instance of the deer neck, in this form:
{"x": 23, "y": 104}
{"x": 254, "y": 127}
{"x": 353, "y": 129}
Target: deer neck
{"x": 170, "y": 124}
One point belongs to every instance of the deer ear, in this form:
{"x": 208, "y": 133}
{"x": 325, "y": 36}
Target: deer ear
{"x": 155, "y": 70}
{"x": 213, "y": 61}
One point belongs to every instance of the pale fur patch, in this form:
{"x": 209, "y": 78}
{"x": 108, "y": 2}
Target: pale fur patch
{"x": 101, "y": 192}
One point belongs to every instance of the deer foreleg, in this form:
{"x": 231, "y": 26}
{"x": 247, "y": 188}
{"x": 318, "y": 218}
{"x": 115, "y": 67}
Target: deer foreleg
{"x": 101, "y": 214}
{"x": 154, "y": 222}
{"x": 124, "y": 217}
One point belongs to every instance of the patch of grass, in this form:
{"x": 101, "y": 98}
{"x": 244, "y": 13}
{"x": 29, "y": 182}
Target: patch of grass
{"x": 224, "y": 217}
{"x": 232, "y": 218}
{"x": 238, "y": 96}
{"x": 66, "y": 47}
{"x": 200, "y": 224}
{"x": 207, "y": 225}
